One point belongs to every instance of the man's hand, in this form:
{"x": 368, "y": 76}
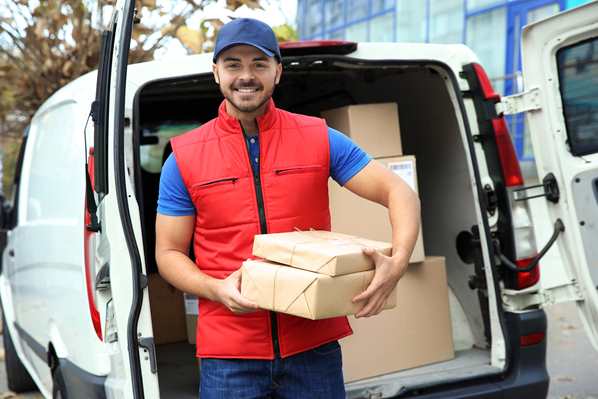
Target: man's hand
{"x": 388, "y": 273}
{"x": 229, "y": 294}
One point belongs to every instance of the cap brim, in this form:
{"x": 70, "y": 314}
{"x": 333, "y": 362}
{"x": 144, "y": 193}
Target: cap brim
{"x": 262, "y": 49}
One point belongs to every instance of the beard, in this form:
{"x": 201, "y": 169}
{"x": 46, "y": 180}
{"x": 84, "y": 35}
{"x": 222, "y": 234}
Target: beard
{"x": 261, "y": 97}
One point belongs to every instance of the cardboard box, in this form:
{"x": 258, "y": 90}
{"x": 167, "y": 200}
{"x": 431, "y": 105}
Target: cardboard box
{"x": 374, "y": 127}
{"x": 319, "y": 251}
{"x": 303, "y": 293}
{"x": 417, "y": 332}
{"x": 168, "y": 311}
{"x": 354, "y": 215}
{"x": 191, "y": 313}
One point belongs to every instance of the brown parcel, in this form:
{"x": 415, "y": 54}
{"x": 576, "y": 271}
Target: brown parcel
{"x": 351, "y": 214}
{"x": 417, "y": 332}
{"x": 191, "y": 312}
{"x": 303, "y": 293}
{"x": 319, "y": 251}
{"x": 168, "y": 311}
{"x": 374, "y": 127}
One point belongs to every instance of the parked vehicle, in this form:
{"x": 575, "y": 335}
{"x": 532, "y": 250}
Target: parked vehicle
{"x": 80, "y": 228}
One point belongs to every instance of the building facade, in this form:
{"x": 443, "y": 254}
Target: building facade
{"x": 492, "y": 28}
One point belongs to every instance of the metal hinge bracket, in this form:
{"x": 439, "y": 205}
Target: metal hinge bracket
{"x": 515, "y": 300}
{"x": 525, "y": 101}
{"x": 147, "y": 344}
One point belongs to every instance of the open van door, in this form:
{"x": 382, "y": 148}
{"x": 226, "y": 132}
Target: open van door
{"x": 120, "y": 280}
{"x": 560, "y": 71}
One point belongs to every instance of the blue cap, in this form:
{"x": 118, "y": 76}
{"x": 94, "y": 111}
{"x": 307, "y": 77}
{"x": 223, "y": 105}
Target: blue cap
{"x": 247, "y": 31}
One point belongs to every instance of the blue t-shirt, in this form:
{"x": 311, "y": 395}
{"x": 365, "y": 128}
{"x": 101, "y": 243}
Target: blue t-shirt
{"x": 346, "y": 159}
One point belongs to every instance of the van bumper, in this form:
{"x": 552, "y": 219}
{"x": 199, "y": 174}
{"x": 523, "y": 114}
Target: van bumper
{"x": 79, "y": 383}
{"x": 525, "y": 377}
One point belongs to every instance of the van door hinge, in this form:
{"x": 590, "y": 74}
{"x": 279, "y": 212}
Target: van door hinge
{"x": 103, "y": 277}
{"x": 149, "y": 350}
{"x": 525, "y": 101}
{"x": 515, "y": 300}
{"x": 491, "y": 199}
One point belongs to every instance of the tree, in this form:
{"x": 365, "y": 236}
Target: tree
{"x": 46, "y": 44}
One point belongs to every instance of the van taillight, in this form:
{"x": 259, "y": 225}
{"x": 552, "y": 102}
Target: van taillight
{"x": 523, "y": 229}
{"x": 485, "y": 84}
{"x": 508, "y": 159}
{"x": 89, "y": 247}
{"x": 506, "y": 152}
{"x": 527, "y": 279}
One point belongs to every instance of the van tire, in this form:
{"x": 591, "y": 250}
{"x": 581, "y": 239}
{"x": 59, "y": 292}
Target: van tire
{"x": 17, "y": 376}
{"x": 58, "y": 386}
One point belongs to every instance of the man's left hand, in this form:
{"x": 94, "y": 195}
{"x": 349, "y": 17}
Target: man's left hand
{"x": 388, "y": 272}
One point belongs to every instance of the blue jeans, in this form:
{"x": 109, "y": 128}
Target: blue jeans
{"x": 313, "y": 374}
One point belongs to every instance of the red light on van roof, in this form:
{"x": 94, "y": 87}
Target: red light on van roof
{"x": 313, "y": 47}
{"x": 314, "y": 43}
{"x": 485, "y": 85}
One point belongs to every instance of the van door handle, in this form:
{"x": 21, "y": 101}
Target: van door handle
{"x": 11, "y": 253}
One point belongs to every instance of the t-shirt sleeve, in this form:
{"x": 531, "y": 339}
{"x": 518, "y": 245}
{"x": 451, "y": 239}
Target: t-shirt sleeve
{"x": 346, "y": 157}
{"x": 173, "y": 197}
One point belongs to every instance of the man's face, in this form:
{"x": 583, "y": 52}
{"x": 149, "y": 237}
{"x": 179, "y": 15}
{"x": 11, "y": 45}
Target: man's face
{"x": 246, "y": 77}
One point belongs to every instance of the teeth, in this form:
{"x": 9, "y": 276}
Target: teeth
{"x": 247, "y": 90}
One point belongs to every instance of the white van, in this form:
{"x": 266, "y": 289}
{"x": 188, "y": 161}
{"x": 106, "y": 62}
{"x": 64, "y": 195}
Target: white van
{"x": 74, "y": 278}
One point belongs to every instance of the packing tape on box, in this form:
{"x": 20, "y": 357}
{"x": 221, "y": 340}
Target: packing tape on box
{"x": 340, "y": 241}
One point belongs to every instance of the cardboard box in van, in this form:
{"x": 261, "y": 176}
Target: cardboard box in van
{"x": 354, "y": 215}
{"x": 168, "y": 311}
{"x": 416, "y": 332}
{"x": 374, "y": 127}
{"x": 191, "y": 313}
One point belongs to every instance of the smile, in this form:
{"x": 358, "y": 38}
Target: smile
{"x": 247, "y": 90}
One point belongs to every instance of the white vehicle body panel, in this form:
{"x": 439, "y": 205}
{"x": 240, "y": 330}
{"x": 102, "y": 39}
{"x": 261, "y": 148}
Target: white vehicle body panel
{"x": 79, "y": 342}
{"x": 577, "y": 276}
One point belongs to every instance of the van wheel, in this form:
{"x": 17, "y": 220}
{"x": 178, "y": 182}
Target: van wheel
{"x": 58, "y": 389}
{"x": 17, "y": 376}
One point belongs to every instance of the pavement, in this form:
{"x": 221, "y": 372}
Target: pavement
{"x": 571, "y": 360}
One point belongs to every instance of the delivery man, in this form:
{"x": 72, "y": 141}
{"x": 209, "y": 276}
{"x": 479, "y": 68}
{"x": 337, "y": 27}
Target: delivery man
{"x": 258, "y": 169}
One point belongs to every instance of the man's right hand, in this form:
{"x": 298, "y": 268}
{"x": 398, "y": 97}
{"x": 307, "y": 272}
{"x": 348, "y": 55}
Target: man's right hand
{"x": 228, "y": 293}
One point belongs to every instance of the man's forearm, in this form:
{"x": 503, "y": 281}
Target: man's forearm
{"x": 179, "y": 270}
{"x": 404, "y": 214}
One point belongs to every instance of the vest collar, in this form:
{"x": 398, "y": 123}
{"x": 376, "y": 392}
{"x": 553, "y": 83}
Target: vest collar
{"x": 232, "y": 125}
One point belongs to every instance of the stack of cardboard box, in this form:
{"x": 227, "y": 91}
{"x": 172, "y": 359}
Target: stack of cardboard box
{"x": 311, "y": 274}
{"x": 418, "y": 331}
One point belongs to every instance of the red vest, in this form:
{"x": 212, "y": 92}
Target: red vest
{"x": 294, "y": 168}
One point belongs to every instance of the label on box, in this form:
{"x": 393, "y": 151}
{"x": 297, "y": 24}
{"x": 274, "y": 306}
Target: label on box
{"x": 405, "y": 170}
{"x": 191, "y": 304}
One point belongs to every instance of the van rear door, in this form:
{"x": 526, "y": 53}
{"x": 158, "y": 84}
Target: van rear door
{"x": 128, "y": 320}
{"x": 560, "y": 70}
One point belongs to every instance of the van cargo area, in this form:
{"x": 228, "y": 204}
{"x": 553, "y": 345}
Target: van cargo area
{"x": 429, "y": 114}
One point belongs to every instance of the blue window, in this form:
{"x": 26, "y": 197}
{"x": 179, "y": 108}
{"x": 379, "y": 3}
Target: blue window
{"x": 335, "y": 13}
{"x": 357, "y": 9}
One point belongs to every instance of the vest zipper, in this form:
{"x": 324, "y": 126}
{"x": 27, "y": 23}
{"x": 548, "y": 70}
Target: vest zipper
{"x": 263, "y": 227}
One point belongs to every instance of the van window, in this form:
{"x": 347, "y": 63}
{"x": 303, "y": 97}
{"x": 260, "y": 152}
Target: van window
{"x": 578, "y": 75}
{"x": 56, "y": 166}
